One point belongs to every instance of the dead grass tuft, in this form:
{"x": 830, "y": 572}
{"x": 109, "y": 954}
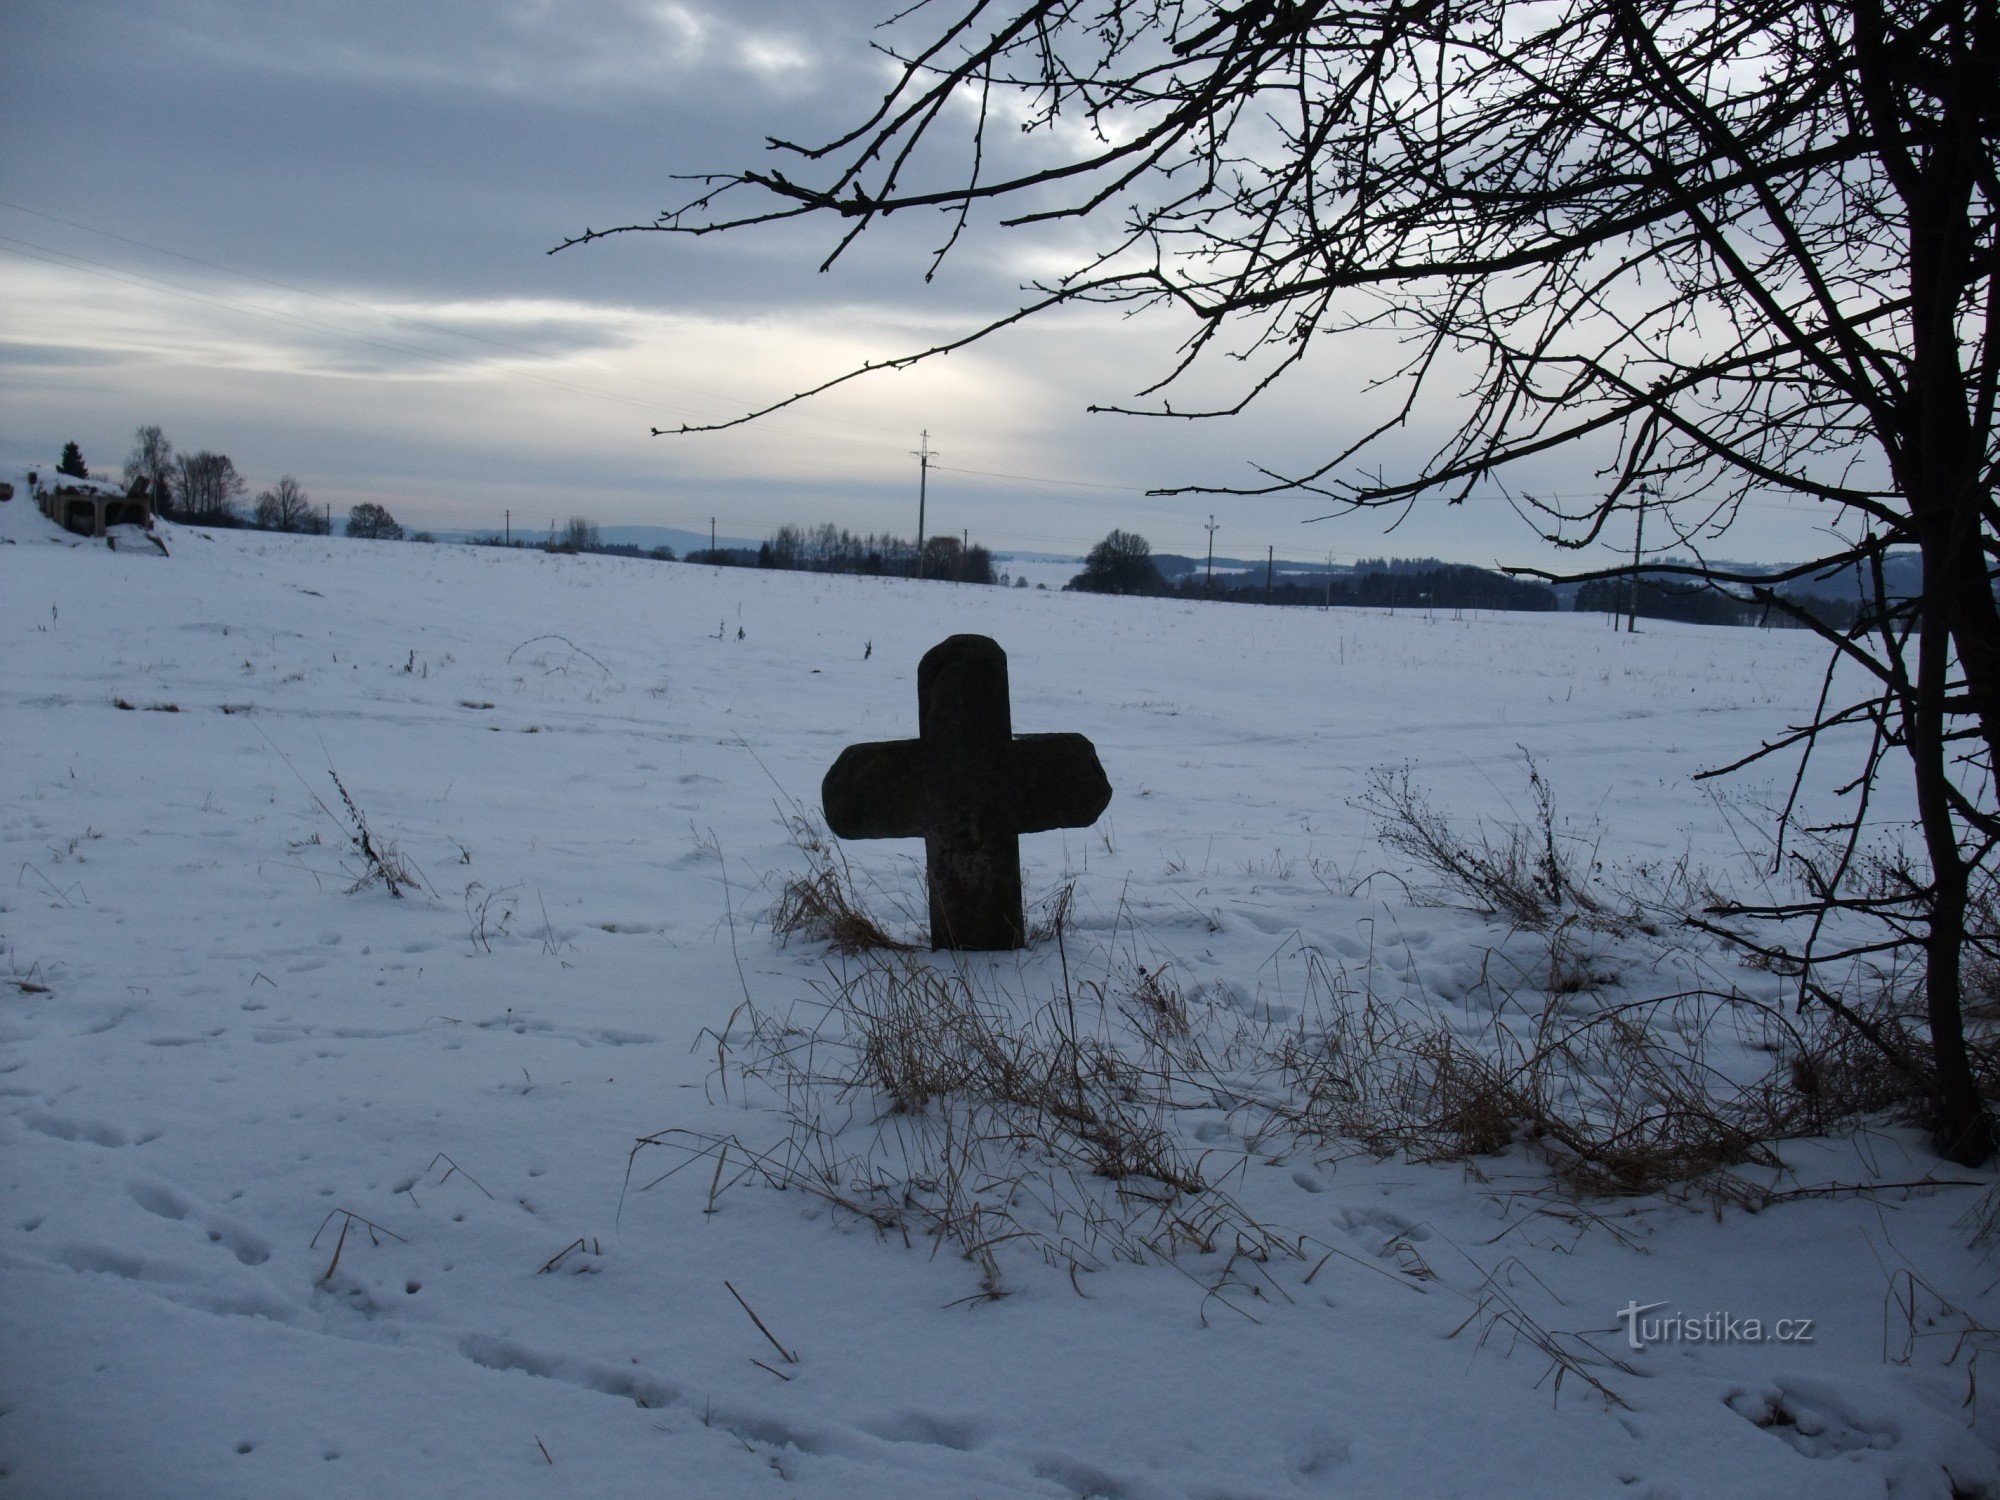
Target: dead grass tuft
{"x": 936, "y": 1103}
{"x": 381, "y": 861}
{"x": 1525, "y": 873}
{"x": 821, "y": 904}
{"x": 1620, "y": 1101}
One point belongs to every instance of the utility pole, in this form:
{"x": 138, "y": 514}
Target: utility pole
{"x": 1269, "y": 553}
{"x": 711, "y": 538}
{"x": 923, "y": 456}
{"x": 1209, "y": 587}
{"x": 510, "y": 527}
{"x": 1638, "y": 541}
{"x": 1329, "y": 580}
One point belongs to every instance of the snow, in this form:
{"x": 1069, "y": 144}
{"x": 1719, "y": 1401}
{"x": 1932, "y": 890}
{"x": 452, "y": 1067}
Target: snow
{"x": 214, "y": 1056}
{"x": 48, "y": 477}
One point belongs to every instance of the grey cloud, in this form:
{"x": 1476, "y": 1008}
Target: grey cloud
{"x": 418, "y": 148}
{"x": 27, "y": 357}
{"x": 431, "y": 153}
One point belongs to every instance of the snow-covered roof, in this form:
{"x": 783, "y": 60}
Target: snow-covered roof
{"x": 49, "y": 479}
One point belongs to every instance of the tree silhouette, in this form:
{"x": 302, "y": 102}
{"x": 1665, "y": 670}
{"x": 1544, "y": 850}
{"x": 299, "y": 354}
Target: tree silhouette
{"x": 71, "y": 462}
{"x": 152, "y": 457}
{"x": 1725, "y": 253}
{"x": 373, "y": 522}
{"x": 287, "y": 507}
{"x": 1120, "y": 564}
{"x": 208, "y": 486}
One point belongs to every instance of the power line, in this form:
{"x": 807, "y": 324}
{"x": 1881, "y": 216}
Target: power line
{"x": 1071, "y": 484}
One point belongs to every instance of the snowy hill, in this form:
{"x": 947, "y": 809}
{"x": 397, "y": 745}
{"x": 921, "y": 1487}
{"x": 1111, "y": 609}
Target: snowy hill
{"x": 312, "y": 1189}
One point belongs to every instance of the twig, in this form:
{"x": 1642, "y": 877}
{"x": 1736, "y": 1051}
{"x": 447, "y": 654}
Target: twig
{"x": 352, "y": 1218}
{"x": 452, "y": 1166}
{"x": 790, "y": 1357}
{"x": 715, "y": 1182}
{"x": 573, "y": 646}
{"x": 1835, "y": 1189}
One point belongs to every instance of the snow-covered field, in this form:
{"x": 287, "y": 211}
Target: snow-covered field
{"x": 215, "y": 1059}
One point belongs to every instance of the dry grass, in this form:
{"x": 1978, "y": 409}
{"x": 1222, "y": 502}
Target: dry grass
{"x": 1525, "y": 873}
{"x": 1621, "y": 1100}
{"x": 381, "y": 861}
{"x": 949, "y": 1101}
{"x": 941, "y": 1105}
{"x": 821, "y": 905}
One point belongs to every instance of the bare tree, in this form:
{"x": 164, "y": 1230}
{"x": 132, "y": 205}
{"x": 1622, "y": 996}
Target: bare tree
{"x": 373, "y": 522}
{"x": 287, "y": 507}
{"x": 1724, "y": 251}
{"x": 579, "y": 534}
{"x": 152, "y": 458}
{"x": 1120, "y": 564}
{"x": 208, "y": 486}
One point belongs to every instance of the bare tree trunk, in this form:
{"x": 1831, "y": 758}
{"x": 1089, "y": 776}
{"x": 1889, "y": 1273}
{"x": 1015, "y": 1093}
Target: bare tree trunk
{"x": 1962, "y": 1130}
{"x": 1938, "y": 460}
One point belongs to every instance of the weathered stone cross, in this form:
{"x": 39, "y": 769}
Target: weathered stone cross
{"x": 969, "y": 787}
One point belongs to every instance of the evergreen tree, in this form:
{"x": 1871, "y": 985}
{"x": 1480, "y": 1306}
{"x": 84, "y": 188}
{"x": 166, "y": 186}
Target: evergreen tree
{"x": 72, "y": 462}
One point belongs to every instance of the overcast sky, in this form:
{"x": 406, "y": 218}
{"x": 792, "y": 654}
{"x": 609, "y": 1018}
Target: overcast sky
{"x": 314, "y": 236}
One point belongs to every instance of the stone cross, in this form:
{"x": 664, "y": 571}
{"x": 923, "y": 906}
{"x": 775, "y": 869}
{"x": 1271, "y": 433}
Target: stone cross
{"x": 969, "y": 787}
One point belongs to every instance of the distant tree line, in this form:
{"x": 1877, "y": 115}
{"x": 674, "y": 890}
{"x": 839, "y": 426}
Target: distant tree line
{"x": 827, "y": 548}
{"x": 819, "y": 549}
{"x": 204, "y": 488}
{"x": 1123, "y": 563}
{"x": 1661, "y": 600}
{"x": 1704, "y": 604}
{"x": 1440, "y": 586}
{"x": 579, "y": 534}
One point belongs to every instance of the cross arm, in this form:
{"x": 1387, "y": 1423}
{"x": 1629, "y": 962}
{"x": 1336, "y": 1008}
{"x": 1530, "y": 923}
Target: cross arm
{"x": 876, "y": 791}
{"x": 1058, "y": 782}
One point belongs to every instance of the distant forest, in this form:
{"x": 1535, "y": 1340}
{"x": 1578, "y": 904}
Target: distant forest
{"x": 1433, "y": 584}
{"x": 827, "y": 548}
{"x": 1123, "y": 564}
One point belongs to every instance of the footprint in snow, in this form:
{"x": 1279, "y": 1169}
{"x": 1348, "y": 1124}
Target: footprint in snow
{"x": 960, "y": 1434}
{"x": 1271, "y": 924}
{"x": 636, "y": 1384}
{"x": 1813, "y": 1419}
{"x": 1317, "y": 1461}
{"x": 1381, "y": 1230}
{"x": 166, "y": 1202}
{"x": 96, "y": 1132}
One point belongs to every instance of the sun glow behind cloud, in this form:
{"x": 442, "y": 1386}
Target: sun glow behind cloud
{"x": 510, "y": 388}
{"x": 401, "y": 170}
